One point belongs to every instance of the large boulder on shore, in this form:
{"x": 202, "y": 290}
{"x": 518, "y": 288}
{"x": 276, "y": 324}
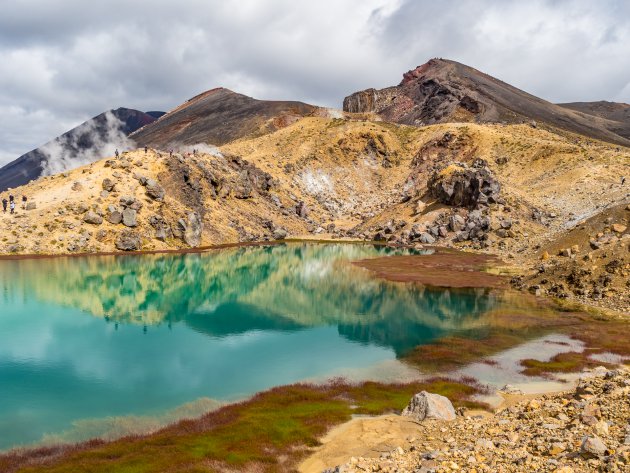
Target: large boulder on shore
{"x": 424, "y": 405}
{"x": 462, "y": 186}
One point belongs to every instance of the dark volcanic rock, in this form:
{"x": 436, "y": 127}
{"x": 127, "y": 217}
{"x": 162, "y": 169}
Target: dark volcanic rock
{"x": 462, "y": 186}
{"x": 129, "y": 240}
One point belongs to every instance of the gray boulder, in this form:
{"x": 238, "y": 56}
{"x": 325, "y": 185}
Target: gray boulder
{"x": 593, "y": 445}
{"x": 426, "y": 405}
{"x": 280, "y": 234}
{"x": 115, "y": 217}
{"x": 108, "y": 184}
{"x": 93, "y": 218}
{"x": 129, "y": 217}
{"x": 128, "y": 240}
{"x": 154, "y": 190}
{"x": 130, "y": 202}
{"x": 456, "y": 223}
{"x": 193, "y": 229}
{"x": 31, "y": 206}
{"x": 426, "y": 238}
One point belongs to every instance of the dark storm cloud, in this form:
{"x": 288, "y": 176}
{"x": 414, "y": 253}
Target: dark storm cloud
{"x": 62, "y": 62}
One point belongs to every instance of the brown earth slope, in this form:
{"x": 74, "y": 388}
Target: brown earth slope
{"x": 447, "y": 91}
{"x": 219, "y": 116}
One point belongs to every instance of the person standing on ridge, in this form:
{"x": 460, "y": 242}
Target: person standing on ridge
{"x": 4, "y": 205}
{"x": 116, "y": 153}
{"x": 24, "y": 199}
{"x": 12, "y": 206}
{"x": 146, "y": 148}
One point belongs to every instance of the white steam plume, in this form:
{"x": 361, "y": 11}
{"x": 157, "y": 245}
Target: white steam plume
{"x": 200, "y": 147}
{"x": 70, "y": 151}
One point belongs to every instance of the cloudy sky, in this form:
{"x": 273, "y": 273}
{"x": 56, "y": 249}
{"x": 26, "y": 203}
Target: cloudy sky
{"x": 64, "y": 61}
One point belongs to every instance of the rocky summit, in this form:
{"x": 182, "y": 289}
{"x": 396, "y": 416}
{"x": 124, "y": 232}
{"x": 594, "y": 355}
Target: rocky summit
{"x": 446, "y": 91}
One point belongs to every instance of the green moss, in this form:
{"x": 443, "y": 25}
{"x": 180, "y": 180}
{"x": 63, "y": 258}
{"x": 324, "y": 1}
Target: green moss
{"x": 561, "y": 363}
{"x": 270, "y": 432}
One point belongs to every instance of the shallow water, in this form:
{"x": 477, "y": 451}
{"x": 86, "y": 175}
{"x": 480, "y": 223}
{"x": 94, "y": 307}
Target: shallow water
{"x": 86, "y": 341}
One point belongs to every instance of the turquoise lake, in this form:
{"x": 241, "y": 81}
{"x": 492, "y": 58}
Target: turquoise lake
{"x": 108, "y": 345}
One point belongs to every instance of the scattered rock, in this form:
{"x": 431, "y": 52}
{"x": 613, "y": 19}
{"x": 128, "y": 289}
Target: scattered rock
{"x": 280, "y": 233}
{"x": 593, "y": 445}
{"x": 128, "y": 240}
{"x": 115, "y": 217}
{"x": 426, "y": 405}
{"x": 108, "y": 184}
{"x": 93, "y": 218}
{"x": 154, "y": 190}
{"x": 129, "y": 217}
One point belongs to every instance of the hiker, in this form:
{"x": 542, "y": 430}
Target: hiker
{"x": 12, "y": 207}
{"x": 116, "y": 153}
{"x": 10, "y": 197}
{"x": 4, "y": 205}
{"x": 24, "y": 199}
{"x": 170, "y": 154}
{"x": 146, "y": 148}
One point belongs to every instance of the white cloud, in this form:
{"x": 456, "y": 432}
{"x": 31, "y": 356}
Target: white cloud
{"x": 73, "y": 60}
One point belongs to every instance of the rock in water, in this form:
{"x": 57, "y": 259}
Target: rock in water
{"x": 426, "y": 405}
{"x": 129, "y": 240}
{"x": 192, "y": 232}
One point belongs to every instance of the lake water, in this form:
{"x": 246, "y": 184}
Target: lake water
{"x": 102, "y": 346}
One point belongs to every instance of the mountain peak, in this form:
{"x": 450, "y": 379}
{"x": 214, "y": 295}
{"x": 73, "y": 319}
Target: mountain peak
{"x": 421, "y": 70}
{"x": 442, "y": 90}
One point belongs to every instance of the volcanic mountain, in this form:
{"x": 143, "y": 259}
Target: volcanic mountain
{"x": 446, "y": 91}
{"x": 219, "y": 116}
{"x": 88, "y": 142}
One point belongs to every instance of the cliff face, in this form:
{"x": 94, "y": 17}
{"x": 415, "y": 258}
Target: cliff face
{"x": 446, "y": 91}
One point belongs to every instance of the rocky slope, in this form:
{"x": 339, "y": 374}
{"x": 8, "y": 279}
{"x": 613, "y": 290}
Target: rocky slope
{"x": 619, "y": 112}
{"x": 583, "y": 430}
{"x": 90, "y": 141}
{"x": 446, "y": 91}
{"x": 219, "y": 116}
{"x": 523, "y": 192}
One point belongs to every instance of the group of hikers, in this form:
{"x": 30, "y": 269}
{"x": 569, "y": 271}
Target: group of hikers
{"x": 11, "y": 203}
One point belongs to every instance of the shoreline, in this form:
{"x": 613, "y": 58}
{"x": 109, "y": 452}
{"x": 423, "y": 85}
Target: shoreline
{"x": 63, "y": 452}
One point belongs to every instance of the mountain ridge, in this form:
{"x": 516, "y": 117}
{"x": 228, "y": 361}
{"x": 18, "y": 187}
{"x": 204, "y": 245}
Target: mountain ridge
{"x": 89, "y": 141}
{"x": 441, "y": 91}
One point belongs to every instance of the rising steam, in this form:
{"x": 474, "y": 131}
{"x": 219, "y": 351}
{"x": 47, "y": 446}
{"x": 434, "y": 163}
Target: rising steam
{"x": 89, "y": 142}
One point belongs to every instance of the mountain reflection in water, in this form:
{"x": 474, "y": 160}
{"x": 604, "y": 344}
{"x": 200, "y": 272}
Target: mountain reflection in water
{"x": 284, "y": 287}
{"x": 87, "y": 342}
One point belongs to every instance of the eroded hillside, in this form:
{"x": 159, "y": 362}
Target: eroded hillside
{"x": 344, "y": 178}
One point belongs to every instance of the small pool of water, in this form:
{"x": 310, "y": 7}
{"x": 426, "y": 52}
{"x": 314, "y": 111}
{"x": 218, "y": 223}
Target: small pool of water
{"x": 86, "y": 341}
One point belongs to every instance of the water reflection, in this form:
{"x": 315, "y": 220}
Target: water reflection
{"x": 98, "y": 337}
{"x": 280, "y": 287}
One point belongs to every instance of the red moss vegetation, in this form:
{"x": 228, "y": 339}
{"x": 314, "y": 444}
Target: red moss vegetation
{"x": 269, "y": 433}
